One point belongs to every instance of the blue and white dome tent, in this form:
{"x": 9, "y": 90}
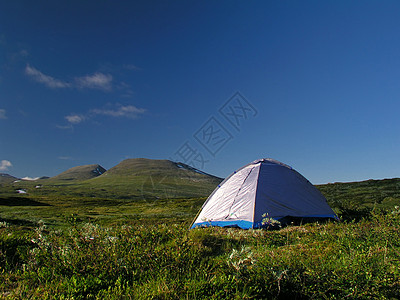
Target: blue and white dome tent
{"x": 262, "y": 188}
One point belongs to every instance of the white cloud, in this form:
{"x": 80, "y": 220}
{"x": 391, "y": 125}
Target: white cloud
{"x": 69, "y": 126}
{"x": 3, "y": 114}
{"x": 96, "y": 81}
{"x": 131, "y": 67}
{"x": 120, "y": 111}
{"x": 23, "y": 53}
{"x": 47, "y": 80}
{"x": 30, "y": 178}
{"x": 129, "y": 111}
{"x": 65, "y": 157}
{"x": 4, "y": 165}
{"x": 125, "y": 89}
{"x": 19, "y": 55}
{"x": 75, "y": 119}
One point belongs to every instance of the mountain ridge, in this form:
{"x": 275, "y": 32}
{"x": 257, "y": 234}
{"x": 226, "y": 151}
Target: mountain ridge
{"x": 149, "y": 178}
{"x": 146, "y": 166}
{"x": 7, "y": 178}
{"x": 80, "y": 173}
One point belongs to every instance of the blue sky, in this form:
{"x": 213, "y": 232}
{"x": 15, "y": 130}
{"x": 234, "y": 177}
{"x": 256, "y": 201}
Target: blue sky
{"x": 217, "y": 84}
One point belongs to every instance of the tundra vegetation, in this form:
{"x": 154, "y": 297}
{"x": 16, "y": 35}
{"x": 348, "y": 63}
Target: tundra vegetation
{"x": 56, "y": 245}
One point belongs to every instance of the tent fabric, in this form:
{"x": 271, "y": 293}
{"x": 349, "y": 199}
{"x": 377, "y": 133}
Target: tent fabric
{"x": 265, "y": 187}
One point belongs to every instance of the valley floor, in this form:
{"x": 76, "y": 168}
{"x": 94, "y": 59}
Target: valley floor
{"x": 62, "y": 246}
{"x": 337, "y": 260}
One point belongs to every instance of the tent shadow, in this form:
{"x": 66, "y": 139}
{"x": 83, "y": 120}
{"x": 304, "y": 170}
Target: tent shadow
{"x": 355, "y": 215}
{"x": 298, "y": 221}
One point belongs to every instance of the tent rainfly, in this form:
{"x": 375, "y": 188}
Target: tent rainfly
{"x": 264, "y": 189}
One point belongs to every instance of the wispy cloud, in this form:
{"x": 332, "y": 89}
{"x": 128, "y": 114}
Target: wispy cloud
{"x": 75, "y": 119}
{"x": 23, "y": 53}
{"x": 98, "y": 80}
{"x": 17, "y": 56}
{"x": 47, "y": 80}
{"x": 115, "y": 111}
{"x": 125, "y": 89}
{"x": 65, "y": 157}
{"x": 69, "y": 126}
{"x": 95, "y": 81}
{"x": 131, "y": 67}
{"x": 128, "y": 111}
{"x": 5, "y": 165}
{"x": 3, "y": 114}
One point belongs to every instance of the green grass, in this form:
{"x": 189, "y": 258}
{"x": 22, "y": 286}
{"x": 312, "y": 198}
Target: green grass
{"x": 58, "y": 245}
{"x": 56, "y": 212}
{"x": 315, "y": 261}
{"x": 356, "y": 199}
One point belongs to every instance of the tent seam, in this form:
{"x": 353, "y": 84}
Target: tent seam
{"x": 234, "y": 198}
{"x": 255, "y": 196}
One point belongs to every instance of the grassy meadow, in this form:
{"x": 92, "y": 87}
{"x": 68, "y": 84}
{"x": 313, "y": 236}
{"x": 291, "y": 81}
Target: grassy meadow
{"x": 60, "y": 245}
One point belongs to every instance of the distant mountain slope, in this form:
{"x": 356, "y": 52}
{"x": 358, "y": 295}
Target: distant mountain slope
{"x": 80, "y": 173}
{"x": 142, "y": 179}
{"x": 154, "y": 167}
{"x": 384, "y": 193}
{"x": 6, "y": 178}
{"x": 150, "y": 178}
